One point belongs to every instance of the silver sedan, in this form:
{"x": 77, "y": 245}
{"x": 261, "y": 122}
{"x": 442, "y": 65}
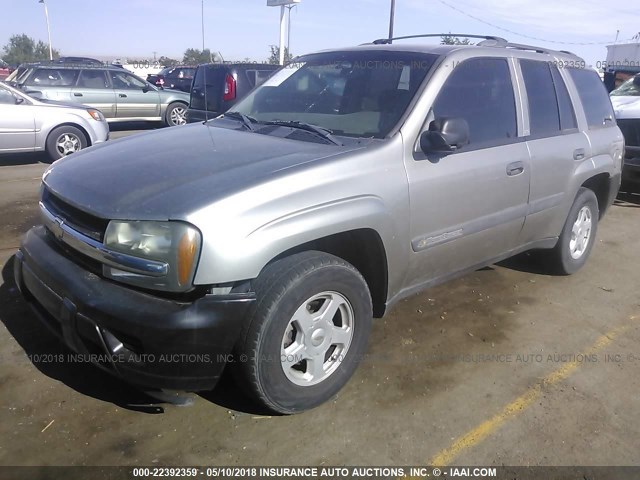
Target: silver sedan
{"x": 28, "y": 125}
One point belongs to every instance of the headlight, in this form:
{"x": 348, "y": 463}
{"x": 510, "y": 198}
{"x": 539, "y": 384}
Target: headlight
{"x": 96, "y": 115}
{"x": 175, "y": 244}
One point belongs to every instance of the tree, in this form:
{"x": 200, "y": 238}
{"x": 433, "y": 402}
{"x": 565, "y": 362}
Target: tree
{"x": 274, "y": 59}
{"x": 23, "y": 49}
{"x": 193, "y": 56}
{"x": 167, "y": 62}
{"x": 449, "y": 40}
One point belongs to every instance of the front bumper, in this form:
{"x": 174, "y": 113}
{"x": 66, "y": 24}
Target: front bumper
{"x": 152, "y": 342}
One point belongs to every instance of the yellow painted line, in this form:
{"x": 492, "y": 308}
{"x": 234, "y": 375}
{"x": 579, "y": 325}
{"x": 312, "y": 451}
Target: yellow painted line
{"x": 486, "y": 428}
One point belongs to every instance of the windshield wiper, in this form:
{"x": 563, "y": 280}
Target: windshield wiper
{"x": 246, "y": 120}
{"x": 320, "y": 131}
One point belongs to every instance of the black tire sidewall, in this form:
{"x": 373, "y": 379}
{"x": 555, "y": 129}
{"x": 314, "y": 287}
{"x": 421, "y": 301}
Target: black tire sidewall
{"x": 569, "y": 264}
{"x": 50, "y": 145}
{"x": 281, "y": 394}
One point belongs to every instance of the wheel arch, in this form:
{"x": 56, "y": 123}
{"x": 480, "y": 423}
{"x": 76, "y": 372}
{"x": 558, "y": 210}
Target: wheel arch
{"x": 363, "y": 248}
{"x": 71, "y": 124}
{"x": 600, "y": 184}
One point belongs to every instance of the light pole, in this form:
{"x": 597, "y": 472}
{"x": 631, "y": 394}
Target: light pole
{"x": 46, "y": 14}
{"x": 289, "y": 28}
{"x": 391, "y": 18}
{"x": 282, "y": 4}
{"x": 203, "y": 26}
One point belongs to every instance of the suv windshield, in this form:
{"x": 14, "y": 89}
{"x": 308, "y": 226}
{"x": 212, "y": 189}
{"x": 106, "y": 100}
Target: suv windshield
{"x": 356, "y": 94}
{"x": 630, "y": 88}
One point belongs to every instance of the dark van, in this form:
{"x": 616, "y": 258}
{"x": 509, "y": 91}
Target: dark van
{"x": 223, "y": 85}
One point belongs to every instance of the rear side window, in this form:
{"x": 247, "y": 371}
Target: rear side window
{"x": 93, "y": 79}
{"x": 480, "y": 91}
{"x": 565, "y": 107}
{"x": 544, "y": 117}
{"x": 53, "y": 78}
{"x": 594, "y": 98}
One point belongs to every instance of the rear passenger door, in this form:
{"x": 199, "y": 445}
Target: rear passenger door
{"x": 556, "y": 145}
{"x": 468, "y": 207}
{"x": 94, "y": 89}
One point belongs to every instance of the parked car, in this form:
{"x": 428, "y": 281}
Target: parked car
{"x": 626, "y": 103}
{"x": 346, "y": 182}
{"x": 221, "y": 86}
{"x": 28, "y": 125}
{"x": 178, "y": 77}
{"x": 5, "y": 70}
{"x": 118, "y": 94}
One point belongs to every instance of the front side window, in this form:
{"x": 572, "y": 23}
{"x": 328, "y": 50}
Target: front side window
{"x": 53, "y": 78}
{"x": 123, "y": 80}
{"x": 6, "y": 97}
{"x": 480, "y": 91}
{"x": 594, "y": 98}
{"x": 357, "y": 94}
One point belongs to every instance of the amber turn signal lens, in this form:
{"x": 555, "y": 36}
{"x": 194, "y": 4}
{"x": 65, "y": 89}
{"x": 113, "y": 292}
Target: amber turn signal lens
{"x": 187, "y": 249}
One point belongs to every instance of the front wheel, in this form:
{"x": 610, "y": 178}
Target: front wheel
{"x": 307, "y": 333}
{"x": 578, "y": 235}
{"x": 176, "y": 114}
{"x": 65, "y": 140}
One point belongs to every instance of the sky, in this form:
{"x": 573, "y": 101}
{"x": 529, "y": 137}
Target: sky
{"x": 245, "y": 28}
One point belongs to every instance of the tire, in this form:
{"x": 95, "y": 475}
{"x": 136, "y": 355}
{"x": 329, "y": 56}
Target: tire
{"x": 571, "y": 253}
{"x": 279, "y": 332}
{"x": 65, "y": 140}
{"x": 176, "y": 114}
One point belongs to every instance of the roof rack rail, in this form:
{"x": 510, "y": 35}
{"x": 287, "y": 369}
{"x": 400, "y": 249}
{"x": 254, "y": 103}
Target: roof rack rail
{"x": 499, "y": 41}
{"x": 521, "y": 46}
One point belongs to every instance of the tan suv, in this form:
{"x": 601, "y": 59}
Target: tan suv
{"x": 268, "y": 238}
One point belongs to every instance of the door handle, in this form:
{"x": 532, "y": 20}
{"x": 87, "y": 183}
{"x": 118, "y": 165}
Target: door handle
{"x": 578, "y": 154}
{"x": 122, "y": 95}
{"x": 515, "y": 168}
{"x": 77, "y": 94}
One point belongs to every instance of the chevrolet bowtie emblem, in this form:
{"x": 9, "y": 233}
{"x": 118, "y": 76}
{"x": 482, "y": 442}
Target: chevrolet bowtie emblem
{"x": 56, "y": 228}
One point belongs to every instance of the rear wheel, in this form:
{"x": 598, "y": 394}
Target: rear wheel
{"x": 176, "y": 114}
{"x": 307, "y": 332}
{"x": 65, "y": 140}
{"x": 578, "y": 235}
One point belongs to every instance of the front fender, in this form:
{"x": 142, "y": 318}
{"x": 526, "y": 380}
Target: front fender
{"x": 243, "y": 257}
{"x": 353, "y": 191}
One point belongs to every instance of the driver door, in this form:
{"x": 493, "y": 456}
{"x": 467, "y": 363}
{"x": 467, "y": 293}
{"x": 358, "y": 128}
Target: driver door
{"x": 135, "y": 98}
{"x": 468, "y": 207}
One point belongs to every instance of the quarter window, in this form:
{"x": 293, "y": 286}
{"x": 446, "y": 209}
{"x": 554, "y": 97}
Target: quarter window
{"x": 480, "y": 91}
{"x": 53, "y": 77}
{"x": 594, "y": 98}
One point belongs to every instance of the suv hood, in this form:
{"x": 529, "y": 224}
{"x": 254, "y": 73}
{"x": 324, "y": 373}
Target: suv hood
{"x": 626, "y": 106}
{"x": 172, "y": 172}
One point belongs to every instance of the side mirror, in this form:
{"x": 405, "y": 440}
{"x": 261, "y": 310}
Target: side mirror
{"x": 19, "y": 100}
{"x": 445, "y": 135}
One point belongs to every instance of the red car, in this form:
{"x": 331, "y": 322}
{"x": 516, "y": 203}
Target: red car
{"x": 5, "y": 70}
